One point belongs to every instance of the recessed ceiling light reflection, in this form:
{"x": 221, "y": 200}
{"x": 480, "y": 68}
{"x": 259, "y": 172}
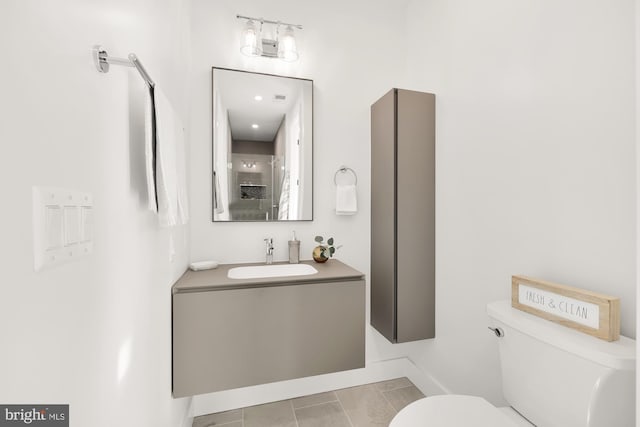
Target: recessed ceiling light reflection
{"x": 258, "y": 98}
{"x": 255, "y": 126}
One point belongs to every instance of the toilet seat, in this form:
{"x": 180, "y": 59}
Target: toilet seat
{"x": 451, "y": 411}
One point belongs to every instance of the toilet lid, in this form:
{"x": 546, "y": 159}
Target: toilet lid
{"x": 451, "y": 411}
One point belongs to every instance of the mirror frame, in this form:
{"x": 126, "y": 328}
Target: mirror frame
{"x": 213, "y": 173}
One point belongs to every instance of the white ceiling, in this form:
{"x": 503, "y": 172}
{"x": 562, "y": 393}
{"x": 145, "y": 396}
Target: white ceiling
{"x": 237, "y": 92}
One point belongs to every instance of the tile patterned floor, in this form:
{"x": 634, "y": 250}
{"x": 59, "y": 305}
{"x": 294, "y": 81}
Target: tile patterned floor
{"x": 369, "y": 405}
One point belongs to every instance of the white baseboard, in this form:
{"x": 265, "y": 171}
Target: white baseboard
{"x": 187, "y": 420}
{"x": 374, "y": 371}
{"x": 426, "y": 382}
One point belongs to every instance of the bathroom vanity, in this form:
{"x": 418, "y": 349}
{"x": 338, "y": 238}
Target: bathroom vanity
{"x": 230, "y": 333}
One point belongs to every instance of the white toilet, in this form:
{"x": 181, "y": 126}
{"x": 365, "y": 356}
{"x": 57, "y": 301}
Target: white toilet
{"x": 553, "y": 376}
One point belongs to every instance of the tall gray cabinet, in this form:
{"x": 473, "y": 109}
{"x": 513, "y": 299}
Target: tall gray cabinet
{"x": 403, "y": 215}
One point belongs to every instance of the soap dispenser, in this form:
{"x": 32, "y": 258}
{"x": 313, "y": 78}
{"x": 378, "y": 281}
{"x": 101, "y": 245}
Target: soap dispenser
{"x": 294, "y": 250}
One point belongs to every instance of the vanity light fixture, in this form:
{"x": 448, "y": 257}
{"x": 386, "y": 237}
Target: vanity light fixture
{"x": 282, "y": 46}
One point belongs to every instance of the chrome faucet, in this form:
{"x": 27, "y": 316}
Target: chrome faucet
{"x": 269, "y": 250}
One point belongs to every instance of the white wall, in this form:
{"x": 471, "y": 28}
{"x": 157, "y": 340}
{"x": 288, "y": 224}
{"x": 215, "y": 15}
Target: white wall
{"x": 94, "y": 333}
{"x": 535, "y": 128}
{"x": 353, "y": 52}
{"x": 637, "y": 158}
{"x": 535, "y": 161}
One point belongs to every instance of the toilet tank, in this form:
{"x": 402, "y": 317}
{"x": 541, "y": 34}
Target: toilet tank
{"x": 558, "y": 377}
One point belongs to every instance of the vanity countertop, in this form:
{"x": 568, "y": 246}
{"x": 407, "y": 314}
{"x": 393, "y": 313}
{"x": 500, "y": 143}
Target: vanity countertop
{"x": 216, "y": 279}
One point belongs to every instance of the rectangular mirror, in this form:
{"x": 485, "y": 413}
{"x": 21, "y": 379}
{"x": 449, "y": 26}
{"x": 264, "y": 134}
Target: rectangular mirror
{"x": 262, "y": 147}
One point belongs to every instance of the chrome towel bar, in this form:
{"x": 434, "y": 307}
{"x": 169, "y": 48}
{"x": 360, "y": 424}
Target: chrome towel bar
{"x": 102, "y": 60}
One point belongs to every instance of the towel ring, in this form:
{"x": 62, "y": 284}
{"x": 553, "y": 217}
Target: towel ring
{"x": 344, "y": 169}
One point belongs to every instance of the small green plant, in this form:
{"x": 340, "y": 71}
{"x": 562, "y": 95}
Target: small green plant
{"x": 327, "y": 250}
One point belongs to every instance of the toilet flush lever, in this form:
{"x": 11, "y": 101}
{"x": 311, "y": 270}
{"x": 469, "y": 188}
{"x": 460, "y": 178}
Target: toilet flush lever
{"x": 498, "y": 331}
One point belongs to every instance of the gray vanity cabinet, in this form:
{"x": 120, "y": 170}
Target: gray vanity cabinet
{"x": 403, "y": 215}
{"x": 232, "y": 335}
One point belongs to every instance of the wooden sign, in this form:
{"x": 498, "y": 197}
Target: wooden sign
{"x": 589, "y": 312}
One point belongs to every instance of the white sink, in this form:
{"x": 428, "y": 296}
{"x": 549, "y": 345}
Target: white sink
{"x": 273, "y": 270}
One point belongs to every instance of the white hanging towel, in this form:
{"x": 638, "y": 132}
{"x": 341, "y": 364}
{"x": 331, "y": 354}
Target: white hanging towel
{"x": 217, "y": 204}
{"x": 346, "y": 199}
{"x": 150, "y": 149}
{"x": 283, "y": 206}
{"x": 171, "y": 181}
{"x": 181, "y": 167}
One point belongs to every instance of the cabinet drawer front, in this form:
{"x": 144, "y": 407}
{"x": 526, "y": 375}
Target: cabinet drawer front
{"x": 235, "y": 338}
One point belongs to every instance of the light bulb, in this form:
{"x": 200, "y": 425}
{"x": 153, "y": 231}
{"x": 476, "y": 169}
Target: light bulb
{"x": 287, "y": 49}
{"x": 250, "y": 42}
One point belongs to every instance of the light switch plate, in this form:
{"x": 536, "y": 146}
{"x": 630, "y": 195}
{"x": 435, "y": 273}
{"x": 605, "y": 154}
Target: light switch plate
{"x": 62, "y": 226}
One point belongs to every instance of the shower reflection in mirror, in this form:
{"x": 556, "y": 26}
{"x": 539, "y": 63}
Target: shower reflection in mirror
{"x": 262, "y": 147}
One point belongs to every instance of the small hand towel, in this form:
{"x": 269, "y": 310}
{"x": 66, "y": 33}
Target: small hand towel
{"x": 346, "y": 200}
{"x": 170, "y": 168}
